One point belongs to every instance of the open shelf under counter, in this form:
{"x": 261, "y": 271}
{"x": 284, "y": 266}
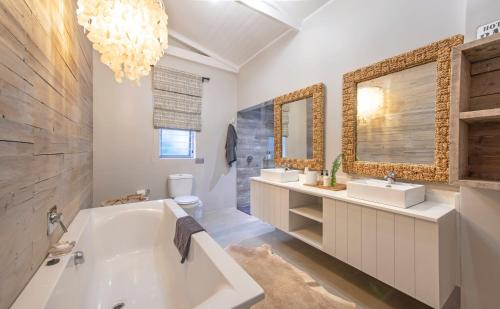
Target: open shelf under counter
{"x": 311, "y": 234}
{"x": 313, "y": 212}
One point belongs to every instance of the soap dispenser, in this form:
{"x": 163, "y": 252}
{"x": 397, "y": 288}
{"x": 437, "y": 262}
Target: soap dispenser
{"x": 326, "y": 179}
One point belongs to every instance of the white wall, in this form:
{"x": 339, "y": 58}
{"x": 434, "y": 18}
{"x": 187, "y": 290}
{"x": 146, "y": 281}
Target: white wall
{"x": 480, "y": 12}
{"x": 480, "y": 209}
{"x": 344, "y": 36}
{"x": 480, "y": 247}
{"x": 126, "y": 150}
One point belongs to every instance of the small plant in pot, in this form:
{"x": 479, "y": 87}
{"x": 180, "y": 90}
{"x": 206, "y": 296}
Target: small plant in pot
{"x": 335, "y": 167}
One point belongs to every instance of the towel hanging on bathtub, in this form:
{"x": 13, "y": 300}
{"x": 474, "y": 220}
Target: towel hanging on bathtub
{"x": 184, "y": 228}
{"x": 231, "y": 141}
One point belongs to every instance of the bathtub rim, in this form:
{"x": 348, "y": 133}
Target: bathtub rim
{"x": 42, "y": 284}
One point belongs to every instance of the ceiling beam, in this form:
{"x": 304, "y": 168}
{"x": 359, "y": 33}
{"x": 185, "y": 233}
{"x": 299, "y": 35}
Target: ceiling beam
{"x": 182, "y": 38}
{"x": 266, "y": 8}
{"x": 198, "y": 58}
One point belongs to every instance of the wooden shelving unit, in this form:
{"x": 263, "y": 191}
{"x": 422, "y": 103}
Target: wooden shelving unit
{"x": 311, "y": 234}
{"x": 484, "y": 115}
{"x": 475, "y": 114}
{"x": 313, "y": 212}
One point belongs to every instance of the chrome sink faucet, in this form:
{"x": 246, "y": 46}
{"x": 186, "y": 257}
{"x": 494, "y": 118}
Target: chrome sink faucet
{"x": 285, "y": 167}
{"x": 390, "y": 177}
{"x": 54, "y": 217}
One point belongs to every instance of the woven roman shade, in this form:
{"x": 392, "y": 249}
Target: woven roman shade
{"x": 177, "y": 99}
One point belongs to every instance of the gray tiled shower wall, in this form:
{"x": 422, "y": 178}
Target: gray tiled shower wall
{"x": 255, "y": 128}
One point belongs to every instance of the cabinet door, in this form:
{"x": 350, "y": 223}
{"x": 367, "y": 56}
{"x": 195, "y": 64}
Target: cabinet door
{"x": 329, "y": 226}
{"x": 341, "y": 231}
{"x": 255, "y": 196}
{"x": 369, "y": 241}
{"x": 385, "y": 247}
{"x": 283, "y": 209}
{"x": 427, "y": 262}
{"x": 404, "y": 254}
{"x": 274, "y": 198}
{"x": 354, "y": 235}
{"x": 266, "y": 202}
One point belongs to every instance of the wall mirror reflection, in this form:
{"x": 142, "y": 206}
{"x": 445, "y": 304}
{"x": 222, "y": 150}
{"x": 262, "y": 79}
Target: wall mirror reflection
{"x": 296, "y": 129}
{"x": 299, "y": 128}
{"x": 396, "y": 116}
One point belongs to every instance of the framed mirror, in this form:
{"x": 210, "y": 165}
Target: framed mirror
{"x": 396, "y": 115}
{"x": 299, "y": 128}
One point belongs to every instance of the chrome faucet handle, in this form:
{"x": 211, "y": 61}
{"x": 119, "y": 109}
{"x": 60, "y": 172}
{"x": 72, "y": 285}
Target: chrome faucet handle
{"x": 390, "y": 177}
{"x": 78, "y": 257}
{"x": 55, "y": 217}
{"x": 391, "y": 174}
{"x": 285, "y": 166}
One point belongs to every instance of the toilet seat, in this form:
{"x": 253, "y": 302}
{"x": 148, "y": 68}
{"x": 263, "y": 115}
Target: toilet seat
{"x": 187, "y": 201}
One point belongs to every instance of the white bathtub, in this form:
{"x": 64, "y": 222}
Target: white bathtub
{"x": 130, "y": 258}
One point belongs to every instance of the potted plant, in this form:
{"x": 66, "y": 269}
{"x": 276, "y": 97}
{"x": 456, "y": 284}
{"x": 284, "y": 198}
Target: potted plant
{"x": 335, "y": 168}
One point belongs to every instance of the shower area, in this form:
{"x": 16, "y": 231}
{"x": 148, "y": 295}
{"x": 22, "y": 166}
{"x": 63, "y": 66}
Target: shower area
{"x": 255, "y": 129}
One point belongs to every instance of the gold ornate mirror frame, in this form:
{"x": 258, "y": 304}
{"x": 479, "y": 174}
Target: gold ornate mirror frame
{"x": 317, "y": 92}
{"x": 439, "y": 52}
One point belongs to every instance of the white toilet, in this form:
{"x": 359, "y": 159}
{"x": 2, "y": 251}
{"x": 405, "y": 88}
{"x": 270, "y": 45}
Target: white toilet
{"x": 179, "y": 188}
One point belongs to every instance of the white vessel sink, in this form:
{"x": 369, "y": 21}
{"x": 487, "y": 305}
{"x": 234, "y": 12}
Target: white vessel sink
{"x": 398, "y": 194}
{"x": 279, "y": 175}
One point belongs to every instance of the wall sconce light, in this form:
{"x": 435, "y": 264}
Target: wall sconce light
{"x": 369, "y": 100}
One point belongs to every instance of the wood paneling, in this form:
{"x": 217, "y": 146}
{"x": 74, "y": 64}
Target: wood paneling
{"x": 45, "y": 131}
{"x": 484, "y": 150}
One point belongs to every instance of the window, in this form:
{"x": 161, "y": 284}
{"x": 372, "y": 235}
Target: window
{"x": 176, "y": 143}
{"x": 283, "y": 146}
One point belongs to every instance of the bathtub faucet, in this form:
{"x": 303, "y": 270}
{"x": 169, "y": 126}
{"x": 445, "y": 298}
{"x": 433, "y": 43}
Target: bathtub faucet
{"x": 54, "y": 217}
{"x": 78, "y": 257}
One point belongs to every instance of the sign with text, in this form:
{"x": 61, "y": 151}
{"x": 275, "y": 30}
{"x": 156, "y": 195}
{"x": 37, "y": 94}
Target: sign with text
{"x": 488, "y": 29}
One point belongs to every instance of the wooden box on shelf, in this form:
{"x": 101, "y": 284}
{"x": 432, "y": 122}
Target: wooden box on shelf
{"x": 475, "y": 114}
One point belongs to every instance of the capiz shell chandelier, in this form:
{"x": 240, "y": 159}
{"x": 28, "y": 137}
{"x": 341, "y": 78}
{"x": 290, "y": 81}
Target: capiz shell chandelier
{"x": 130, "y": 35}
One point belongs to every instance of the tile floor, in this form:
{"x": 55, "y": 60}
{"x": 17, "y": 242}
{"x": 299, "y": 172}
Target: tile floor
{"x": 230, "y": 226}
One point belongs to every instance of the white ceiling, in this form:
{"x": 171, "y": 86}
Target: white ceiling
{"x": 301, "y": 9}
{"x": 232, "y": 32}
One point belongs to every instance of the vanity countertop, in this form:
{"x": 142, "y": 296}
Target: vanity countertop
{"x": 428, "y": 210}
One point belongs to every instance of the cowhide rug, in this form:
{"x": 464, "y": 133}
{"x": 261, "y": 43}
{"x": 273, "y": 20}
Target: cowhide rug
{"x": 285, "y": 286}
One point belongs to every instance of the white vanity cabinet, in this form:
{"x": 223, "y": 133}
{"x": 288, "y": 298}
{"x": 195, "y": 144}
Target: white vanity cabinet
{"x": 413, "y": 250}
{"x": 270, "y": 204}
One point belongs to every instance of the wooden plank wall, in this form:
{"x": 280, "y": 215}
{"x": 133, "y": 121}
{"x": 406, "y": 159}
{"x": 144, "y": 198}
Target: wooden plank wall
{"x": 484, "y": 137}
{"x": 45, "y": 131}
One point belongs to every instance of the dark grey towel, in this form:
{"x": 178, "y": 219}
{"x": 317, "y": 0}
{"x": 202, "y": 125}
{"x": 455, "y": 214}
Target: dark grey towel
{"x": 231, "y": 141}
{"x": 184, "y": 228}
